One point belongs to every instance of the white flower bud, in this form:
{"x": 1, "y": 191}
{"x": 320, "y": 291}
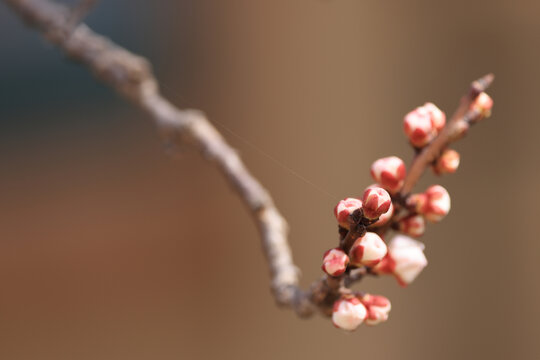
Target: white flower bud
{"x": 419, "y": 127}
{"x": 377, "y": 307}
{"x": 348, "y": 313}
{"x": 405, "y": 259}
{"x": 335, "y": 262}
{"x": 367, "y": 250}
{"x": 376, "y": 202}
{"x": 438, "y": 118}
{"x": 389, "y": 172}
{"x": 345, "y": 208}
{"x": 383, "y": 219}
{"x": 437, "y": 203}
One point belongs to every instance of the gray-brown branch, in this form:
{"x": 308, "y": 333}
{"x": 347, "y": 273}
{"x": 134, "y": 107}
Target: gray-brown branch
{"x": 132, "y": 77}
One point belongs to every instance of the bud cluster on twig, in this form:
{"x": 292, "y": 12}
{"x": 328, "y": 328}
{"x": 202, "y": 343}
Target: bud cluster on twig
{"x": 364, "y": 247}
{"x": 364, "y": 222}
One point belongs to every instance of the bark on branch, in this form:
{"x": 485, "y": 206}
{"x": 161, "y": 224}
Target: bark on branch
{"x": 131, "y": 76}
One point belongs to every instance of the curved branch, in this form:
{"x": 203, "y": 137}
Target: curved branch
{"x": 132, "y": 77}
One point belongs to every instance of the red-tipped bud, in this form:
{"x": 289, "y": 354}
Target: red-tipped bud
{"x": 437, "y": 203}
{"x": 418, "y": 127}
{"x": 438, "y": 118}
{"x": 413, "y": 225}
{"x": 405, "y": 260}
{"x": 335, "y": 262}
{"x": 383, "y": 219}
{"x": 389, "y": 172}
{"x": 345, "y": 208}
{"x": 423, "y": 123}
{"x": 348, "y": 313}
{"x": 483, "y": 104}
{"x": 376, "y": 202}
{"x": 447, "y": 163}
{"x": 377, "y": 307}
{"x": 367, "y": 250}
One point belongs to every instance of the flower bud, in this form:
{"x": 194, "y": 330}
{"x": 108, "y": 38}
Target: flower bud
{"x": 377, "y": 307}
{"x": 438, "y": 118}
{"x": 348, "y": 313}
{"x": 483, "y": 103}
{"x": 405, "y": 260}
{"x": 376, "y": 202}
{"x": 383, "y": 219}
{"x": 345, "y": 208}
{"x": 335, "y": 262}
{"x": 437, "y": 204}
{"x": 447, "y": 163}
{"x": 412, "y": 225}
{"x": 418, "y": 127}
{"x": 367, "y": 250}
{"x": 389, "y": 172}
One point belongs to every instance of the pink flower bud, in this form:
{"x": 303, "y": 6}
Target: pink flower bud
{"x": 348, "y": 313}
{"x": 447, "y": 163}
{"x": 377, "y": 307}
{"x": 483, "y": 104}
{"x": 437, "y": 204}
{"x": 389, "y": 172}
{"x": 413, "y": 225}
{"x": 405, "y": 260}
{"x": 438, "y": 118}
{"x": 383, "y": 219}
{"x": 335, "y": 262}
{"x": 376, "y": 202}
{"x": 345, "y": 208}
{"x": 418, "y": 127}
{"x": 367, "y": 250}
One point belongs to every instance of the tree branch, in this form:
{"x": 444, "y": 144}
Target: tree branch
{"x": 456, "y": 127}
{"x": 131, "y": 76}
{"x": 79, "y": 12}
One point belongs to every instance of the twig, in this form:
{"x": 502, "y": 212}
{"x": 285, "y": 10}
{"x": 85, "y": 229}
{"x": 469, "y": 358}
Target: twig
{"x": 132, "y": 77}
{"x": 453, "y": 131}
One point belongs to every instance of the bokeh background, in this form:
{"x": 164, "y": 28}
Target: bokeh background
{"x": 111, "y": 250}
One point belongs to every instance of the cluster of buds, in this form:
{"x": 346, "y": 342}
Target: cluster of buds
{"x": 423, "y": 124}
{"x": 350, "y": 311}
{"x": 433, "y": 204}
{"x": 365, "y": 221}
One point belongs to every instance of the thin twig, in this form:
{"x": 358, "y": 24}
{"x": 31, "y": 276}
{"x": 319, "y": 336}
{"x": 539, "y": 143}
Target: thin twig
{"x": 453, "y": 131}
{"x": 132, "y": 77}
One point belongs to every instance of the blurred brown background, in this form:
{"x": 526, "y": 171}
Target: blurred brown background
{"x": 111, "y": 250}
